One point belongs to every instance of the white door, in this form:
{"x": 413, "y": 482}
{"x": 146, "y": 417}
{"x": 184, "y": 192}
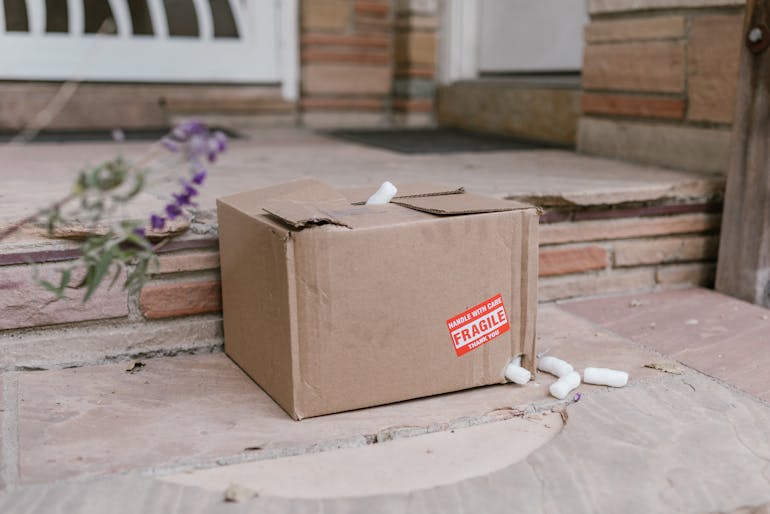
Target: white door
{"x": 220, "y": 41}
{"x": 531, "y": 35}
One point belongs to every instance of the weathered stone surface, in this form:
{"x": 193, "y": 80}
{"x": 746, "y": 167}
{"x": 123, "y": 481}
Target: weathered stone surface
{"x": 609, "y": 6}
{"x": 192, "y": 261}
{"x": 498, "y": 107}
{"x": 635, "y": 450}
{"x": 603, "y": 230}
{"x": 688, "y": 148}
{"x": 433, "y": 460}
{"x": 561, "y": 288}
{"x": 78, "y": 346}
{"x": 562, "y": 261}
{"x": 180, "y": 299}
{"x": 696, "y": 274}
{"x": 713, "y": 333}
{"x": 659, "y": 27}
{"x": 656, "y": 66}
{"x": 345, "y": 79}
{"x": 632, "y": 105}
{"x": 194, "y": 411}
{"x": 416, "y": 48}
{"x": 325, "y": 14}
{"x": 667, "y": 249}
{"x": 712, "y": 67}
{"x": 339, "y": 118}
{"x": 26, "y": 304}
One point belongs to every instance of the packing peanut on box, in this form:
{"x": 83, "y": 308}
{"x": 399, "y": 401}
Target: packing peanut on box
{"x": 332, "y": 305}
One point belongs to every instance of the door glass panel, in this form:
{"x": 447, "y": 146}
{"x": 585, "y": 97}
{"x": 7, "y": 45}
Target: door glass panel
{"x": 56, "y": 16}
{"x": 182, "y": 18}
{"x": 141, "y": 22}
{"x": 224, "y": 22}
{"x": 16, "y": 16}
{"x": 99, "y": 17}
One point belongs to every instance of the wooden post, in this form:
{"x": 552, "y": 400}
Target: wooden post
{"x": 743, "y": 270}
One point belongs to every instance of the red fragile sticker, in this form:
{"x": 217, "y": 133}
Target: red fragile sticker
{"x": 478, "y": 325}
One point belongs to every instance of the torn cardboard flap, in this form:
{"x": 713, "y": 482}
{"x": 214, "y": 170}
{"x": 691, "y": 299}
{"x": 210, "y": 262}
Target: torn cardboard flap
{"x": 359, "y": 195}
{"x": 465, "y": 203}
{"x": 300, "y": 214}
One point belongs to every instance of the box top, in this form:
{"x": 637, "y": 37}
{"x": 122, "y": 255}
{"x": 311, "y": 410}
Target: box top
{"x": 310, "y": 202}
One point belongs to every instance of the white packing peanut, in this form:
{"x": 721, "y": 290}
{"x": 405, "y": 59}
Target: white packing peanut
{"x": 384, "y": 194}
{"x": 554, "y": 366}
{"x": 517, "y": 374}
{"x": 561, "y": 388}
{"x": 605, "y": 376}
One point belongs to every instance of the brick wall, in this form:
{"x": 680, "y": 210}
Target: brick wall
{"x": 659, "y": 80}
{"x": 367, "y": 63}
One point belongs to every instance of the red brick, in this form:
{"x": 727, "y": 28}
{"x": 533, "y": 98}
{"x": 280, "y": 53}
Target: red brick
{"x": 604, "y": 230}
{"x": 651, "y": 66}
{"x": 372, "y": 8}
{"x": 366, "y": 104}
{"x": 321, "y": 56}
{"x": 637, "y": 106}
{"x": 418, "y": 105}
{"x": 346, "y": 40}
{"x": 345, "y": 79}
{"x": 712, "y": 66}
{"x": 416, "y": 48}
{"x": 195, "y": 261}
{"x": 427, "y": 72}
{"x": 325, "y": 14}
{"x": 26, "y": 304}
{"x": 666, "y": 249}
{"x": 576, "y": 286}
{"x": 562, "y": 261}
{"x": 180, "y": 299}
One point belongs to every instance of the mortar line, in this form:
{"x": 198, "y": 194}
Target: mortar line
{"x": 9, "y": 470}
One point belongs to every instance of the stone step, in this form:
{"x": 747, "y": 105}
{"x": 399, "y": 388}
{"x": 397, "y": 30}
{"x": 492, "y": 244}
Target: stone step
{"x": 608, "y": 227}
{"x": 544, "y": 108}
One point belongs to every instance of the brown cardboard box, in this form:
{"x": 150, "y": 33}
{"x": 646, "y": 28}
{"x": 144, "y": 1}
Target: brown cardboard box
{"x": 331, "y": 306}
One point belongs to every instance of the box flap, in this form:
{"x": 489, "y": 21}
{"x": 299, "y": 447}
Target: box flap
{"x": 359, "y": 195}
{"x": 309, "y": 190}
{"x": 299, "y": 214}
{"x": 465, "y": 203}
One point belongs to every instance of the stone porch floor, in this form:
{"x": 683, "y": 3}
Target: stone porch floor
{"x": 170, "y": 437}
{"x": 173, "y": 436}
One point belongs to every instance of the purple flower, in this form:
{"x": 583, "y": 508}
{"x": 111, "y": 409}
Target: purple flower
{"x": 199, "y": 177}
{"x": 577, "y": 397}
{"x": 188, "y": 128}
{"x": 221, "y": 140}
{"x": 139, "y": 231}
{"x": 181, "y": 199}
{"x": 189, "y": 189}
{"x": 173, "y": 211}
{"x": 157, "y": 222}
{"x": 169, "y": 144}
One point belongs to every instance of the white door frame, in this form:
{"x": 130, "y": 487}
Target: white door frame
{"x": 266, "y": 52}
{"x": 459, "y": 40}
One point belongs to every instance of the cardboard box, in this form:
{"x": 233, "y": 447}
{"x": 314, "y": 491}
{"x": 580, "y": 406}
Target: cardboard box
{"x": 331, "y": 306}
